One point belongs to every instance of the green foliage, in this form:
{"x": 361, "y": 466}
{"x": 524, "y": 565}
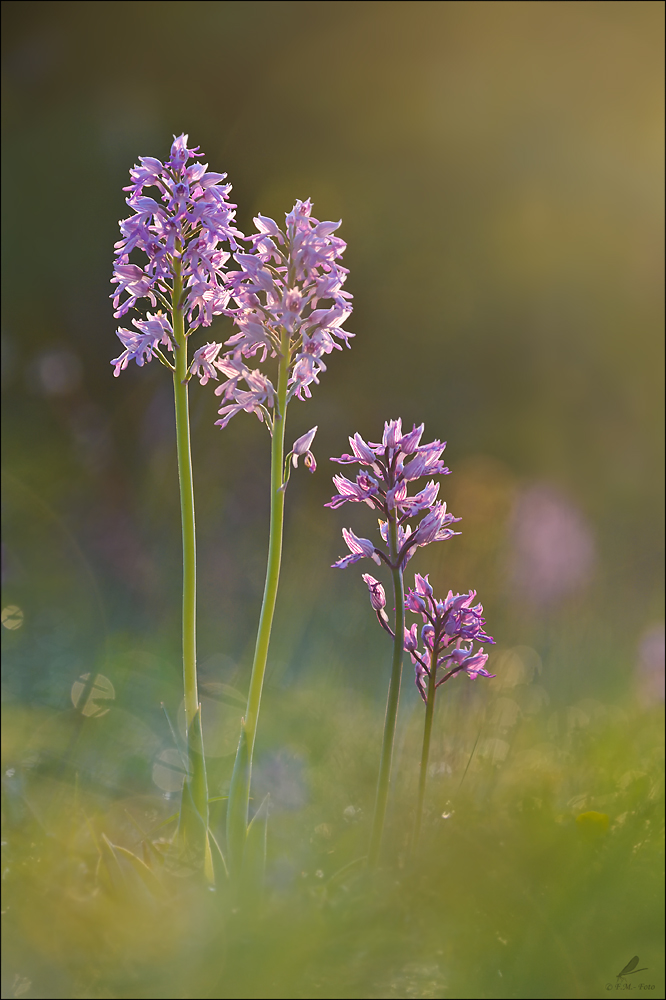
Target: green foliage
{"x": 535, "y": 874}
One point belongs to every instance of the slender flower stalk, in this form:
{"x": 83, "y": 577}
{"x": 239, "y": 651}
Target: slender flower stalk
{"x": 181, "y": 235}
{"x": 184, "y": 451}
{"x": 392, "y": 702}
{"x": 274, "y": 548}
{"x": 446, "y": 622}
{"x": 384, "y": 488}
{"x": 277, "y": 297}
{"x": 425, "y": 752}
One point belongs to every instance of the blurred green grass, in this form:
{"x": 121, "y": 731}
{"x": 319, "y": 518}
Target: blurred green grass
{"x": 536, "y": 874}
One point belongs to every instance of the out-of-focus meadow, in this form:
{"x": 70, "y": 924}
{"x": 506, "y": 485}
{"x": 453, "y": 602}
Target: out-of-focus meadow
{"x": 498, "y": 170}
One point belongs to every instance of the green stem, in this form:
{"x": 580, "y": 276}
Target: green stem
{"x": 192, "y": 824}
{"x": 391, "y": 704}
{"x": 274, "y": 548}
{"x": 186, "y": 505}
{"x": 239, "y": 789}
{"x": 425, "y": 753}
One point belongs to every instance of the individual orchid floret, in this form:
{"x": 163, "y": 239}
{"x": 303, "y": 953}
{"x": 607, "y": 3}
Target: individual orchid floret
{"x": 359, "y": 548}
{"x": 426, "y": 463}
{"x": 377, "y": 600}
{"x": 472, "y": 663}
{"x": 365, "y": 488}
{"x": 257, "y": 398}
{"x": 422, "y": 585}
{"x": 384, "y": 487}
{"x": 302, "y": 447}
{"x": 179, "y": 233}
{"x": 434, "y": 526}
{"x": 411, "y": 638}
{"x": 203, "y": 362}
{"x": 416, "y": 598}
{"x": 143, "y": 346}
{"x": 138, "y": 347}
{"x": 377, "y": 593}
{"x": 287, "y": 301}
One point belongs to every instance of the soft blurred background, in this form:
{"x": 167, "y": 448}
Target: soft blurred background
{"x": 498, "y": 170}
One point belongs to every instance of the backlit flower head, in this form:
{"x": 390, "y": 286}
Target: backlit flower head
{"x": 387, "y": 469}
{"x": 446, "y": 625}
{"x": 181, "y": 219}
{"x": 290, "y": 282}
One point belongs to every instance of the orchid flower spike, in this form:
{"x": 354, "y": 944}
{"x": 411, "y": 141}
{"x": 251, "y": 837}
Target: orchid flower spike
{"x": 387, "y": 469}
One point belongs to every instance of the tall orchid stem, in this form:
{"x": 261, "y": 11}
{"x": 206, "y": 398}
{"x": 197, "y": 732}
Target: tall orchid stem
{"x": 274, "y": 548}
{"x": 425, "y": 753}
{"x": 391, "y": 704}
{"x": 196, "y": 767}
{"x": 186, "y": 506}
{"x": 239, "y": 789}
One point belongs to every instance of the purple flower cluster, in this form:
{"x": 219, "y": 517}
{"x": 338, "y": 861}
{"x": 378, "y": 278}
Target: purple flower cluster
{"x": 181, "y": 235}
{"x": 453, "y": 620}
{"x": 384, "y": 488}
{"x": 287, "y": 296}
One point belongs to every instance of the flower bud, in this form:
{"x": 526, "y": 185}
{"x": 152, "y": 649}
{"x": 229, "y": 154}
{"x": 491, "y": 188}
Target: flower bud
{"x": 377, "y": 594}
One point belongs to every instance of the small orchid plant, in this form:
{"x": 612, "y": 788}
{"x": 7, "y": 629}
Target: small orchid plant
{"x": 391, "y": 465}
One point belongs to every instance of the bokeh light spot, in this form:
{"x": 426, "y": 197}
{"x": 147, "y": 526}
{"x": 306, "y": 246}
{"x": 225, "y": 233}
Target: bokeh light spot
{"x": 58, "y": 372}
{"x": 517, "y": 666}
{"x": 12, "y": 616}
{"x": 88, "y": 690}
